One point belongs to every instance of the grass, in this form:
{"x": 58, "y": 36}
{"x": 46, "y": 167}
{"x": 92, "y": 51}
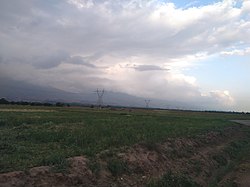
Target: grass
{"x": 237, "y": 151}
{"x": 173, "y": 180}
{"x": 33, "y": 136}
{"x": 94, "y": 166}
{"x": 58, "y": 162}
{"x": 117, "y": 167}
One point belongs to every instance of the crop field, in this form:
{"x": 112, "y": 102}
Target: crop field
{"x": 36, "y": 136}
{"x": 32, "y": 136}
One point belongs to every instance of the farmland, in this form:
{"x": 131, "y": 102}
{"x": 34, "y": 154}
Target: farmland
{"x": 48, "y": 136}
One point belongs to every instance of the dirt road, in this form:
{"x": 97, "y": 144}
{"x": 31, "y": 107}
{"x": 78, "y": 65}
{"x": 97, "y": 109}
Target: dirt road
{"x": 243, "y": 122}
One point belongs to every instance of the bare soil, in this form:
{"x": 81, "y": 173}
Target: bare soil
{"x": 240, "y": 176}
{"x": 140, "y": 164}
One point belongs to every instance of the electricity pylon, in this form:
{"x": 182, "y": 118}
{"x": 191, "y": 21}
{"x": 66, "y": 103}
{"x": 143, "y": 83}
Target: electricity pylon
{"x": 147, "y": 101}
{"x": 100, "y": 94}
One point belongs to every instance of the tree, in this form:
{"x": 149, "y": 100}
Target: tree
{"x": 59, "y": 104}
{"x": 3, "y": 101}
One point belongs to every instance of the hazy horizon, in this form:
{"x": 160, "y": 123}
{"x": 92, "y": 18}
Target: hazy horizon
{"x": 193, "y": 52}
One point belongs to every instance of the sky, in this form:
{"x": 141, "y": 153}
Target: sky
{"x": 188, "y": 51}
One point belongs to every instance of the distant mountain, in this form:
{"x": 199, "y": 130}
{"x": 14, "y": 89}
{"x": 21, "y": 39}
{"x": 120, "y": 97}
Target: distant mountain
{"x": 18, "y": 90}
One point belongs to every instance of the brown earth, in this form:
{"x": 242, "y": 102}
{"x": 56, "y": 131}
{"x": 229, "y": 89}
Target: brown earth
{"x": 240, "y": 176}
{"x": 195, "y": 157}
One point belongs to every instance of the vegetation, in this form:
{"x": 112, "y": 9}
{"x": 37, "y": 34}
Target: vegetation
{"x": 237, "y": 151}
{"x": 117, "y": 167}
{"x": 173, "y": 180}
{"x": 37, "y": 135}
{"x": 6, "y": 102}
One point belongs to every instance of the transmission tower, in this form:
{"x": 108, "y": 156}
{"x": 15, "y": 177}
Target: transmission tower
{"x": 147, "y": 101}
{"x": 100, "y": 94}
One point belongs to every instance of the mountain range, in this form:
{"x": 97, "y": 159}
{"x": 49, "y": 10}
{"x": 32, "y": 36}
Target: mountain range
{"x": 14, "y": 90}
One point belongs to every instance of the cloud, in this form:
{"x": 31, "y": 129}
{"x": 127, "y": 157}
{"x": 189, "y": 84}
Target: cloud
{"x": 81, "y": 61}
{"x": 138, "y": 47}
{"x": 82, "y": 3}
{"x": 145, "y": 67}
{"x": 128, "y": 28}
{"x": 223, "y": 97}
{"x": 240, "y": 52}
{"x": 49, "y": 60}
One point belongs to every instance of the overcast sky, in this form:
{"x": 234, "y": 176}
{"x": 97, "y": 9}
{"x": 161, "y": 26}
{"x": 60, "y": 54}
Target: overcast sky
{"x": 189, "y": 51}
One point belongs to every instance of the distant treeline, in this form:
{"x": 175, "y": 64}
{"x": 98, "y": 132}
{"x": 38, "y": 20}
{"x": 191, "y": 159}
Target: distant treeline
{"x": 230, "y": 112}
{"x": 62, "y": 104}
{"x": 6, "y": 102}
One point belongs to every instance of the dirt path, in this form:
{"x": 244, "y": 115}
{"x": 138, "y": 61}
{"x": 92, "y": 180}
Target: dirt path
{"x": 243, "y": 122}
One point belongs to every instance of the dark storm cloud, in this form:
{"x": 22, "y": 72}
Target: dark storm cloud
{"x": 50, "y": 61}
{"x": 80, "y": 61}
{"x": 149, "y": 68}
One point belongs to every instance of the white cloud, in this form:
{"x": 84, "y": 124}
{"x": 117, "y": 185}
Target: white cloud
{"x": 82, "y": 3}
{"x": 223, "y": 97}
{"x": 240, "y": 52}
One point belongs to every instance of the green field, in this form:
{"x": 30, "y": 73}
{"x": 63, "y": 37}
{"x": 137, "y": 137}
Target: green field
{"x": 33, "y": 136}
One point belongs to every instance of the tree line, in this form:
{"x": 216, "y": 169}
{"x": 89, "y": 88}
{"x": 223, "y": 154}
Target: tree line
{"x": 6, "y": 102}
